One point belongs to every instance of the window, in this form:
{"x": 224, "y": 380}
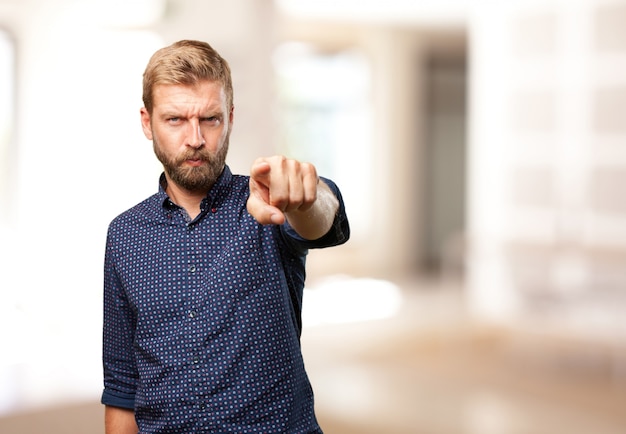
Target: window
{"x": 7, "y": 118}
{"x": 324, "y": 117}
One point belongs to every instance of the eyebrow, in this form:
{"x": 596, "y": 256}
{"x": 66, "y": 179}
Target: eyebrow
{"x": 209, "y": 112}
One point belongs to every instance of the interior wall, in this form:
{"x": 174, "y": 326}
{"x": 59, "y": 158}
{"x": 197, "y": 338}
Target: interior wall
{"x": 80, "y": 159}
{"x": 444, "y": 162}
{"x": 398, "y": 149}
{"x": 547, "y": 229}
{"x": 393, "y": 184}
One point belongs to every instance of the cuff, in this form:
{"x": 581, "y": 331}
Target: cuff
{"x": 117, "y": 399}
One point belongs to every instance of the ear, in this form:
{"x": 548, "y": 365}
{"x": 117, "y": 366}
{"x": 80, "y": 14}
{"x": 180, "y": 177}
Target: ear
{"x": 231, "y": 115}
{"x": 145, "y": 123}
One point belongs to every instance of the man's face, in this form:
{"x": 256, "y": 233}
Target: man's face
{"x": 190, "y": 128}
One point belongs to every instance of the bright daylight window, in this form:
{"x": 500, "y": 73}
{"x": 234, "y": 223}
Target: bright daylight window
{"x": 324, "y": 117}
{"x": 7, "y": 86}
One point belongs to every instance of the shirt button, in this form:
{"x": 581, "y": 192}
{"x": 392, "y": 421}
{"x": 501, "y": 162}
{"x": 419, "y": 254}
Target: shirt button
{"x": 192, "y": 314}
{"x": 192, "y": 268}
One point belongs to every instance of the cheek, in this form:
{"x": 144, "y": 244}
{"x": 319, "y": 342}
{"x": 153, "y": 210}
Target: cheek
{"x": 222, "y": 137}
{"x": 167, "y": 141}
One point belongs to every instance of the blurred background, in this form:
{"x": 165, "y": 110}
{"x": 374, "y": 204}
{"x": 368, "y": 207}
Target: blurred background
{"x": 481, "y": 150}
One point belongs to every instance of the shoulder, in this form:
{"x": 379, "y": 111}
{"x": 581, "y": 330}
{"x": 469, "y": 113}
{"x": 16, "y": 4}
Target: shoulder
{"x": 233, "y": 193}
{"x": 240, "y": 184}
{"x": 147, "y": 209}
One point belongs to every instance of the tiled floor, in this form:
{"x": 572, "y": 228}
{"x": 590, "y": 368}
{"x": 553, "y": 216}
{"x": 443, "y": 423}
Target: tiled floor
{"x": 428, "y": 370}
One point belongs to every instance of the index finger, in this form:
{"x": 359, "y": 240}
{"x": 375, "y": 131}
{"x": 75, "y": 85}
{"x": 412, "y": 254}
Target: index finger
{"x": 260, "y": 171}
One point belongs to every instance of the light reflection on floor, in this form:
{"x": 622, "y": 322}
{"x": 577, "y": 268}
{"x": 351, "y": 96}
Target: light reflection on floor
{"x": 428, "y": 369}
{"x": 341, "y": 299}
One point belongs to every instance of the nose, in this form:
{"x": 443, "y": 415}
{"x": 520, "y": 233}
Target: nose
{"x": 196, "y": 139}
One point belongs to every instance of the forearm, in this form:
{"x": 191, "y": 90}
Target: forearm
{"x": 316, "y": 221}
{"x": 119, "y": 421}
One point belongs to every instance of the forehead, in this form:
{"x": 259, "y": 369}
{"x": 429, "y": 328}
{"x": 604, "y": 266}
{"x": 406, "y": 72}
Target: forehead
{"x": 202, "y": 95}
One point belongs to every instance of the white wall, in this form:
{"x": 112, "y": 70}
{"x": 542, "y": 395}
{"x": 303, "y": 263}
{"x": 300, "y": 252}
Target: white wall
{"x": 547, "y": 225}
{"x": 546, "y": 160}
{"x": 80, "y": 158}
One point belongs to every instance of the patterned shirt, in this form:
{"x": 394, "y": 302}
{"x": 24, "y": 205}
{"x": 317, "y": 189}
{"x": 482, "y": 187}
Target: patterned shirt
{"x": 202, "y": 317}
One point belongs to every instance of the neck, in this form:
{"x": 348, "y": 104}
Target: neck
{"x": 190, "y": 200}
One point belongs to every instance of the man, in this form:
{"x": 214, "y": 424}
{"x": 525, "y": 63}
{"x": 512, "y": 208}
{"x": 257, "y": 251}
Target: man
{"x": 203, "y": 281}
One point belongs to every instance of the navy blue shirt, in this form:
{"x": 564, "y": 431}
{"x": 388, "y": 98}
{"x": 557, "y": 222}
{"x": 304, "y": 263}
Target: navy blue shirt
{"x": 202, "y": 318}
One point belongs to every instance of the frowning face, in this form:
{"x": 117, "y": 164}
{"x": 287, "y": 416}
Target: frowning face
{"x": 190, "y": 128}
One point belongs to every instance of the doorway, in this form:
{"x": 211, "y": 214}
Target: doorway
{"x": 445, "y": 158}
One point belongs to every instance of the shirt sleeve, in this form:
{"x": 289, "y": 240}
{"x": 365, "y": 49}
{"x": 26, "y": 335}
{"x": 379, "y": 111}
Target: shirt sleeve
{"x": 338, "y": 234}
{"x": 120, "y": 372}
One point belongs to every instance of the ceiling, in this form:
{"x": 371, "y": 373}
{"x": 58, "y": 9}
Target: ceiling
{"x": 412, "y": 12}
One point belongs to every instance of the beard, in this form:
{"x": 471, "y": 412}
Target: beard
{"x": 200, "y": 178}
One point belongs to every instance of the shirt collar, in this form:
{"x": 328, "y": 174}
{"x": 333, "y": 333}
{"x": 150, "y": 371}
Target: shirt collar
{"x": 214, "y": 197}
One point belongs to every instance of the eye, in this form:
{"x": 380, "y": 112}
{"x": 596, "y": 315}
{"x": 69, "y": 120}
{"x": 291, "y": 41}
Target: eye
{"x": 173, "y": 120}
{"x": 212, "y": 120}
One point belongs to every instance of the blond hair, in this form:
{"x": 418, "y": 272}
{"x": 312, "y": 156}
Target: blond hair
{"x": 186, "y": 62}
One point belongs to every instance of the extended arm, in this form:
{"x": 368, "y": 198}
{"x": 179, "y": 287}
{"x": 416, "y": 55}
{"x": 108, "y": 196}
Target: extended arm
{"x": 281, "y": 189}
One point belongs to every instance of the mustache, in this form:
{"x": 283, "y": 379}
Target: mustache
{"x": 194, "y": 155}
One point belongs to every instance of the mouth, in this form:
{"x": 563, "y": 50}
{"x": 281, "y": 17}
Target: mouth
{"x": 194, "y": 162}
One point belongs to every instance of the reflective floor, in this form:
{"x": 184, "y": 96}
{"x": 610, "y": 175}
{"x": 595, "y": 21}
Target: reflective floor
{"x": 428, "y": 370}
